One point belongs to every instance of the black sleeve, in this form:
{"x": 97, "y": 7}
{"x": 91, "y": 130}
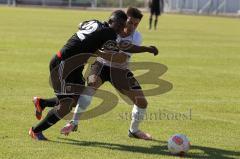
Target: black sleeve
{"x": 97, "y": 39}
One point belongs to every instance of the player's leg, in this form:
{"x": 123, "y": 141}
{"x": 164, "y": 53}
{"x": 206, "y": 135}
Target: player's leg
{"x": 157, "y": 13}
{"x": 156, "y": 22}
{"x": 41, "y": 103}
{"x": 84, "y": 100}
{"x": 130, "y": 87}
{"x": 94, "y": 82}
{"x": 54, "y": 115}
{"x": 150, "y": 21}
{"x": 138, "y": 112}
{"x": 65, "y": 101}
{"x": 47, "y": 102}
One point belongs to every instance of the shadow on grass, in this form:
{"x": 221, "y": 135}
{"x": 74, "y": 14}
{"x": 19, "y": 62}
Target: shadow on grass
{"x": 157, "y": 148}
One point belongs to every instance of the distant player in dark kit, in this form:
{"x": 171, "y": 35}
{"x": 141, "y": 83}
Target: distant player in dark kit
{"x": 156, "y": 8}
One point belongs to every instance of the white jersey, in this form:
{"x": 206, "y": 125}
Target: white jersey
{"x": 135, "y": 38}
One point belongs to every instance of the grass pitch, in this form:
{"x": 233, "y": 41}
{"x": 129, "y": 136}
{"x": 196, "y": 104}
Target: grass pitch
{"x": 202, "y": 55}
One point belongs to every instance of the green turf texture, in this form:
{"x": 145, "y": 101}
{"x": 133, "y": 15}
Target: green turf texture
{"x": 202, "y": 55}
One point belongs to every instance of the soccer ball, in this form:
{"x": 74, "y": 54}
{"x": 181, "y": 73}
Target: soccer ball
{"x": 178, "y": 144}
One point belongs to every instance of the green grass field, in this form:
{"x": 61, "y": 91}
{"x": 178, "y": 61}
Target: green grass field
{"x": 202, "y": 55}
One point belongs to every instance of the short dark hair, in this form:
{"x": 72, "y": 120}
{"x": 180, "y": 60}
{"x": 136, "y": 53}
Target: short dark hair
{"x": 118, "y": 15}
{"x": 134, "y": 12}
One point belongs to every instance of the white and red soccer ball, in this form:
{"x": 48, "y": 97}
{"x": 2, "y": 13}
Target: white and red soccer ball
{"x": 178, "y": 144}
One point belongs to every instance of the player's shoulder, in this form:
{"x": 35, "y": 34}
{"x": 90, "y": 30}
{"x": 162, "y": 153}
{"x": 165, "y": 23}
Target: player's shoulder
{"x": 137, "y": 36}
{"x": 89, "y": 23}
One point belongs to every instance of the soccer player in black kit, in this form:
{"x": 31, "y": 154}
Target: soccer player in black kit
{"x": 156, "y": 8}
{"x": 91, "y": 36}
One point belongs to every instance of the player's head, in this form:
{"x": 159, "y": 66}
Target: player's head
{"x": 117, "y": 20}
{"x": 134, "y": 17}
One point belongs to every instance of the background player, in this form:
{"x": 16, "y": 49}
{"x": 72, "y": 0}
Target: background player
{"x": 156, "y": 8}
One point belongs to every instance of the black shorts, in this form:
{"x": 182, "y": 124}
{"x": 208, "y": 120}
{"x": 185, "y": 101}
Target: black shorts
{"x": 155, "y": 10}
{"x": 65, "y": 86}
{"x": 121, "y": 79}
{"x": 157, "y": 7}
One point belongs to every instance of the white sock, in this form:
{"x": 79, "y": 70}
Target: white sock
{"x": 137, "y": 117}
{"x": 82, "y": 104}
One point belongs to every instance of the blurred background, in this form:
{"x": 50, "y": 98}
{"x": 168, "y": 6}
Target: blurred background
{"x": 211, "y": 7}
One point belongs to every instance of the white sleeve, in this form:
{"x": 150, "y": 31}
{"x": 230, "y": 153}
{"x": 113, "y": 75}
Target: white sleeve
{"x": 137, "y": 38}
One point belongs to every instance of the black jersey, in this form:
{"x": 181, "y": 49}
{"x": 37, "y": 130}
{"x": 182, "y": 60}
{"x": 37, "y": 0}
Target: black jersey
{"x": 90, "y": 37}
{"x": 156, "y": 3}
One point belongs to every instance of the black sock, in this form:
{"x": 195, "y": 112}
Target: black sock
{"x": 155, "y": 24}
{"x": 47, "y": 122}
{"x": 150, "y": 23}
{"x": 50, "y": 102}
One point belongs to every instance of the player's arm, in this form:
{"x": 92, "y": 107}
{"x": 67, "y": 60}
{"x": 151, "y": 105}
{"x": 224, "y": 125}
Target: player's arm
{"x": 126, "y": 46}
{"x": 136, "y": 47}
{"x": 141, "y": 49}
{"x": 118, "y": 57}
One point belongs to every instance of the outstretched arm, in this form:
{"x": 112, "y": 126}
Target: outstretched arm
{"x": 127, "y": 46}
{"x": 118, "y": 57}
{"x": 141, "y": 49}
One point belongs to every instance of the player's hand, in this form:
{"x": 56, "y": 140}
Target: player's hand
{"x": 153, "y": 50}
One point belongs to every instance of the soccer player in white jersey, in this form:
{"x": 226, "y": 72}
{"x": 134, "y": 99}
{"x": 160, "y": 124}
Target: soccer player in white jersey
{"x": 114, "y": 69}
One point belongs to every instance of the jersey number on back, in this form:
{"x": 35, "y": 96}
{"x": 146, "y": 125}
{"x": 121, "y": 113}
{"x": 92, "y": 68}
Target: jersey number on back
{"x": 87, "y": 29}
